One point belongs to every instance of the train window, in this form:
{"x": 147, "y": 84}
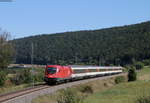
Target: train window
{"x": 92, "y": 70}
{"x": 51, "y": 70}
{"x": 102, "y": 70}
{"x": 79, "y": 71}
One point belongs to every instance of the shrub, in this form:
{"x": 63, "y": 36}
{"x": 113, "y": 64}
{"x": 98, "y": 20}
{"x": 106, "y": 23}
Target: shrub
{"x": 38, "y": 77}
{"x": 2, "y": 78}
{"x": 119, "y": 79}
{"x": 144, "y": 99}
{"x": 17, "y": 79}
{"x": 69, "y": 96}
{"x": 86, "y": 89}
{"x": 22, "y": 77}
{"x": 132, "y": 74}
{"x": 27, "y": 76}
{"x": 139, "y": 65}
{"x": 146, "y": 62}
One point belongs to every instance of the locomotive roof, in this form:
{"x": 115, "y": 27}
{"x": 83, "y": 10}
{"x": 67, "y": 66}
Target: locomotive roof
{"x": 94, "y": 67}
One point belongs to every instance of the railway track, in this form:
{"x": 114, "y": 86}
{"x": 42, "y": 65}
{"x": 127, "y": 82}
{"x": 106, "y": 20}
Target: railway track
{"x": 26, "y": 95}
{"x": 11, "y": 95}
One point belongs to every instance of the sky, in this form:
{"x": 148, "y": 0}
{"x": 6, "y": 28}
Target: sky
{"x": 24, "y": 18}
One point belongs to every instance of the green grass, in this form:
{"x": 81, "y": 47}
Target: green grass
{"x": 124, "y": 92}
{"x": 11, "y": 88}
{"x": 144, "y": 74}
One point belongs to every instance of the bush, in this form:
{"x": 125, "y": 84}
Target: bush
{"x": 27, "y": 76}
{"x": 119, "y": 79}
{"x": 69, "y": 96}
{"x": 17, "y": 79}
{"x": 38, "y": 77}
{"x": 22, "y": 77}
{"x": 139, "y": 65}
{"x": 146, "y": 62}
{"x": 2, "y": 78}
{"x": 86, "y": 89}
{"x": 132, "y": 74}
{"x": 143, "y": 99}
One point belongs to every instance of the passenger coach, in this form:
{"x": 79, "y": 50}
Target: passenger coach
{"x": 57, "y": 73}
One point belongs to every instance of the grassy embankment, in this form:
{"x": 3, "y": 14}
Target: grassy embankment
{"x": 106, "y": 91}
{"x": 124, "y": 92}
{"x": 12, "y": 88}
{"x": 98, "y": 85}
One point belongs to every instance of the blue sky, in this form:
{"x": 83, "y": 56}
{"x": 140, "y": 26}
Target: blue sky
{"x": 32, "y": 17}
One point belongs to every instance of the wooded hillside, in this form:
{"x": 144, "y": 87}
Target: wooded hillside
{"x": 117, "y": 45}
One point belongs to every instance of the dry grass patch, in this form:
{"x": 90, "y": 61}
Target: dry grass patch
{"x": 144, "y": 77}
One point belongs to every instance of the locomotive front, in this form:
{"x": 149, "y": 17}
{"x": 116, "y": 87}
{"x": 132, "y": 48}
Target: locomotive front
{"x": 56, "y": 73}
{"x": 51, "y": 73}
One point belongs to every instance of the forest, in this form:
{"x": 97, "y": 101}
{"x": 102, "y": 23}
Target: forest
{"x": 109, "y": 46}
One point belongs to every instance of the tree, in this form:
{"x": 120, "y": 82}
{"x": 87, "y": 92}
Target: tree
{"x": 132, "y": 74}
{"x": 6, "y": 49}
{"x": 2, "y": 78}
{"x": 139, "y": 65}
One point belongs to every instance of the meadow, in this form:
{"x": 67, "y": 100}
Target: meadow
{"x": 124, "y": 92}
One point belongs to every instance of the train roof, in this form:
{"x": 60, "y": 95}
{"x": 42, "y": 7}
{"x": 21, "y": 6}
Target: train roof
{"x": 95, "y": 67}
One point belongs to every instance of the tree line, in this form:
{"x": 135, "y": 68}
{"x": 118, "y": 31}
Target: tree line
{"x": 6, "y": 49}
{"x": 116, "y": 46}
{"x": 6, "y": 52}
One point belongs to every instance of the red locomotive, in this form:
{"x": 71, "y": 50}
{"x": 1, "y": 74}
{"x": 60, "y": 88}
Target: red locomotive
{"x": 57, "y": 73}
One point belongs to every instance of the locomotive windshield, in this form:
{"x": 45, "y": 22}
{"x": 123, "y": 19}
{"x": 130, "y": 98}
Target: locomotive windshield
{"x": 51, "y": 70}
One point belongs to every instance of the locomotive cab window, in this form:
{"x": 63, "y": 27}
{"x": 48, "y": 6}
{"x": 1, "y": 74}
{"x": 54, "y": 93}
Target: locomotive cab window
{"x": 51, "y": 70}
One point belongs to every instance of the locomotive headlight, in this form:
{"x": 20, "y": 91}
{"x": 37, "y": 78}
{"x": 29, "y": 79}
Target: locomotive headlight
{"x": 57, "y": 70}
